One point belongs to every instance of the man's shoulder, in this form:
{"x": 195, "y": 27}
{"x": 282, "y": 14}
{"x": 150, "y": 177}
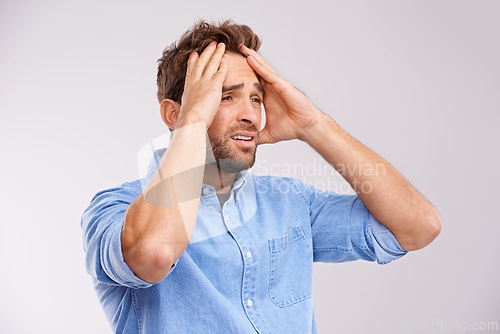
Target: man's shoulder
{"x": 275, "y": 179}
{"x": 281, "y": 185}
{"x": 130, "y": 189}
{"x": 110, "y": 202}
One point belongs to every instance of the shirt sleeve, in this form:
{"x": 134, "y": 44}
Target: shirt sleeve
{"x": 102, "y": 223}
{"x": 344, "y": 230}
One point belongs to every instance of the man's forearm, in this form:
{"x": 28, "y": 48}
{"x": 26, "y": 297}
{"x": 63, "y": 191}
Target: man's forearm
{"x": 160, "y": 222}
{"x": 388, "y": 195}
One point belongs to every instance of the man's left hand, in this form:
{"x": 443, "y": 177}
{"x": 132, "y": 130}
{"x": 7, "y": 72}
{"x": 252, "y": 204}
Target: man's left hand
{"x": 289, "y": 113}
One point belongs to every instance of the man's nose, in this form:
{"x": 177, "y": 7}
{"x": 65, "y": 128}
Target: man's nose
{"x": 247, "y": 112}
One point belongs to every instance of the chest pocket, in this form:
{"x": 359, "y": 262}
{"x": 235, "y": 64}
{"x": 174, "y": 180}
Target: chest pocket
{"x": 290, "y": 280}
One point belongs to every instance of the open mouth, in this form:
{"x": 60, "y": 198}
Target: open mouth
{"x": 245, "y": 139}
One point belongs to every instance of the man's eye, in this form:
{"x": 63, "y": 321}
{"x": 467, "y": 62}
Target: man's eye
{"x": 256, "y": 100}
{"x": 226, "y": 98}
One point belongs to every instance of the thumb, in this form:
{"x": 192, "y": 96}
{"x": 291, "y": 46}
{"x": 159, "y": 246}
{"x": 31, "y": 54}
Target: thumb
{"x": 265, "y": 137}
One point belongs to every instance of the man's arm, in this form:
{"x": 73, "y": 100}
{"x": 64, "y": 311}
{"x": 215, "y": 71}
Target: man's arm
{"x": 160, "y": 222}
{"x": 389, "y": 197}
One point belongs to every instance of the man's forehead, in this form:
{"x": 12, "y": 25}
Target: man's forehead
{"x": 239, "y": 74}
{"x": 241, "y": 85}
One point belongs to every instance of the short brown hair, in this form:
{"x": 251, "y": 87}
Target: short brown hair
{"x": 173, "y": 63}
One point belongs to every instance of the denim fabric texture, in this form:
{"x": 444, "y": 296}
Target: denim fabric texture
{"x": 248, "y": 267}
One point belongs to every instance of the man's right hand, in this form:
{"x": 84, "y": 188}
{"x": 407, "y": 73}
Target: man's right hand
{"x": 159, "y": 225}
{"x": 203, "y": 86}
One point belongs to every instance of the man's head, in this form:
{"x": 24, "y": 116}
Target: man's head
{"x": 173, "y": 63}
{"x": 234, "y": 132}
{"x": 239, "y": 114}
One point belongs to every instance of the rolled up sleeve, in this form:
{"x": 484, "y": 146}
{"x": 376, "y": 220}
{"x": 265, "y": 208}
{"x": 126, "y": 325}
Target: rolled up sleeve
{"x": 344, "y": 230}
{"x": 102, "y": 223}
{"x": 385, "y": 245}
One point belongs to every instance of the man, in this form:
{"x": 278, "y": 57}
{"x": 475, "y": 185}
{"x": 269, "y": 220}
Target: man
{"x": 198, "y": 246}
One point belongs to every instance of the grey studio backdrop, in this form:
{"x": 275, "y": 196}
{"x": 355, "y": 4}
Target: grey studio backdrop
{"x": 416, "y": 81}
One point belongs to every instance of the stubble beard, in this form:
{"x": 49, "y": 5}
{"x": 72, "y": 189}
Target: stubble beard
{"x": 226, "y": 156}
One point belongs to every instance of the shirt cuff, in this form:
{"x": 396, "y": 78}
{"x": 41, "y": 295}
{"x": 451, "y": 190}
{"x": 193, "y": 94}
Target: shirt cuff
{"x": 118, "y": 270}
{"x": 385, "y": 245}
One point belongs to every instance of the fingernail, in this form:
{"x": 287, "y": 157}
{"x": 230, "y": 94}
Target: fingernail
{"x": 220, "y": 45}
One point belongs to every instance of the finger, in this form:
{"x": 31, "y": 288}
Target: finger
{"x": 190, "y": 65}
{"x": 220, "y": 75}
{"x": 269, "y": 76}
{"x": 202, "y": 60}
{"x": 249, "y": 52}
{"x": 214, "y": 62}
{"x": 264, "y": 137}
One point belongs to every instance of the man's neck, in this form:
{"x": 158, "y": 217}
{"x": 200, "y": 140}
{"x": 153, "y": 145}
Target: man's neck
{"x": 221, "y": 181}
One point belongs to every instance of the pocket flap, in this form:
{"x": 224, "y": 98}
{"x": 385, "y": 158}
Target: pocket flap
{"x": 278, "y": 244}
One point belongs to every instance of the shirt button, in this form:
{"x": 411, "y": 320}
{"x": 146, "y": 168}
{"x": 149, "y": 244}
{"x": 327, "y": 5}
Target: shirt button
{"x": 206, "y": 191}
{"x": 249, "y": 303}
{"x": 249, "y": 255}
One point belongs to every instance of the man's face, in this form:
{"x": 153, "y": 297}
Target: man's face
{"x": 235, "y": 128}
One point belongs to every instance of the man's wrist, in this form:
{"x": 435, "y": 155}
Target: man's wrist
{"x": 189, "y": 117}
{"x": 316, "y": 128}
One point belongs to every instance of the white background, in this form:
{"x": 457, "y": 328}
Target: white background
{"x": 417, "y": 81}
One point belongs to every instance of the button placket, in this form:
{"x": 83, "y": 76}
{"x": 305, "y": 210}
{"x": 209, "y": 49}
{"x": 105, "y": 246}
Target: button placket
{"x": 250, "y": 271}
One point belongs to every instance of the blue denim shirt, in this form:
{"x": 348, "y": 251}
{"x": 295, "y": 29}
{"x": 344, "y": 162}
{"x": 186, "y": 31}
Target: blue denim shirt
{"x": 248, "y": 267}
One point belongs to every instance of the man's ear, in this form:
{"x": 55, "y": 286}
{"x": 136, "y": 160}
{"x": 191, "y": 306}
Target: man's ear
{"x": 169, "y": 110}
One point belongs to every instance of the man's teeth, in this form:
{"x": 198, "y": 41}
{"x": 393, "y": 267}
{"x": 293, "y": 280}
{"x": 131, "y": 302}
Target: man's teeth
{"x": 242, "y": 137}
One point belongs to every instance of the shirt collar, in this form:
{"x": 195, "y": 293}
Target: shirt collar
{"x": 239, "y": 180}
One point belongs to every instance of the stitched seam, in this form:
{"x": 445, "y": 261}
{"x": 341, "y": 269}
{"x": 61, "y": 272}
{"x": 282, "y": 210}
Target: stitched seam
{"x": 369, "y": 231}
{"x": 340, "y": 249}
{"x": 276, "y": 253}
{"x": 300, "y": 235}
{"x": 126, "y": 186}
{"x": 381, "y": 232}
{"x": 272, "y": 242}
{"x": 272, "y": 296}
{"x": 136, "y": 309}
{"x": 298, "y": 191}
